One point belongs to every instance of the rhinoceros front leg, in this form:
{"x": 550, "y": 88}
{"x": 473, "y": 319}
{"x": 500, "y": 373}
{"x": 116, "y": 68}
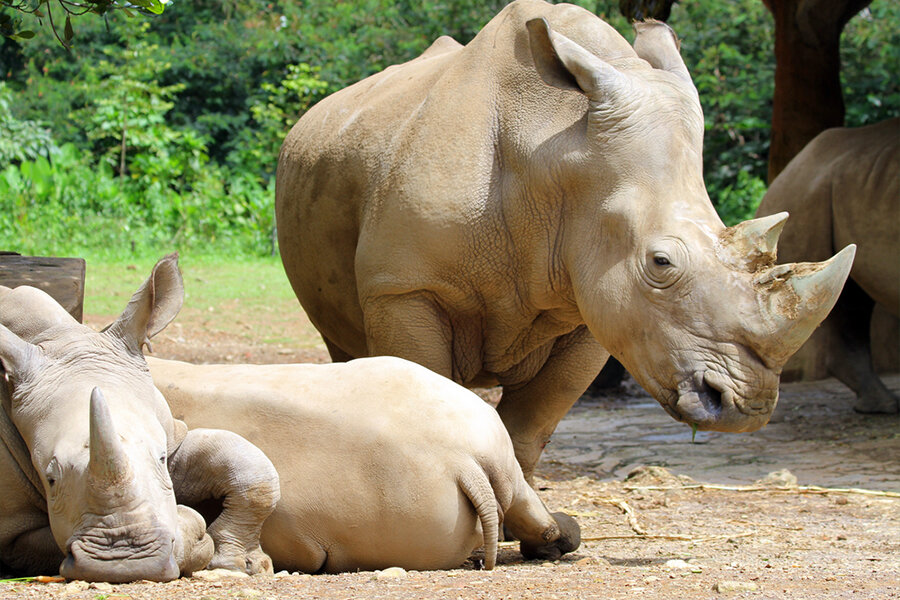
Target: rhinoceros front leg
{"x": 532, "y": 410}
{"x": 26, "y": 542}
{"x": 850, "y": 357}
{"x": 213, "y": 464}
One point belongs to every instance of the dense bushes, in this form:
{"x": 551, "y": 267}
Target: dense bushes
{"x": 164, "y": 132}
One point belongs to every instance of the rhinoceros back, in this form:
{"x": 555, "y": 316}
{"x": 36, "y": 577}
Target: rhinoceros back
{"x": 403, "y": 171}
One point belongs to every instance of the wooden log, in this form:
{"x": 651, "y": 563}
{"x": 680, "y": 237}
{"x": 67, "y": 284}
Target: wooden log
{"x": 62, "y": 278}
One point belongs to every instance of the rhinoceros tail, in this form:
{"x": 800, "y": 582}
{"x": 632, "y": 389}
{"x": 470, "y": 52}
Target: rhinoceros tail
{"x": 477, "y": 487}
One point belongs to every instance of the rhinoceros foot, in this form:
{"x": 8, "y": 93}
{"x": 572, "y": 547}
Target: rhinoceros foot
{"x": 235, "y": 558}
{"x": 569, "y": 539}
{"x": 878, "y": 400}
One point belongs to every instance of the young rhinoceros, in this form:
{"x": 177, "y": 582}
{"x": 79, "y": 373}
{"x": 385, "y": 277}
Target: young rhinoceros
{"x": 92, "y": 464}
{"x": 382, "y": 462}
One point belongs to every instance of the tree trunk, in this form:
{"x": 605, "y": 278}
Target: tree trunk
{"x": 808, "y": 97}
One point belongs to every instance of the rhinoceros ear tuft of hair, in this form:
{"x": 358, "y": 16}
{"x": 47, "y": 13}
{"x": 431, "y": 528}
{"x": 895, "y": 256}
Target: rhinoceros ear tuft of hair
{"x": 152, "y": 307}
{"x": 563, "y": 63}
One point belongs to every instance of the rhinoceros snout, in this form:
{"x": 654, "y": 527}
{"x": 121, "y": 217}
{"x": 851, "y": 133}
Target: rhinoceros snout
{"x": 119, "y": 560}
{"x": 712, "y": 401}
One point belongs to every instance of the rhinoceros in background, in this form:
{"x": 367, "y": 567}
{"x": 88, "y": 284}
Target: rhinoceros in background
{"x": 382, "y": 462}
{"x": 515, "y": 210}
{"x": 844, "y": 187}
{"x": 92, "y": 462}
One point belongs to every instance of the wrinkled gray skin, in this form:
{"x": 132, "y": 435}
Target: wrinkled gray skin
{"x": 382, "y": 462}
{"x": 844, "y": 187}
{"x": 515, "y": 210}
{"x": 92, "y": 464}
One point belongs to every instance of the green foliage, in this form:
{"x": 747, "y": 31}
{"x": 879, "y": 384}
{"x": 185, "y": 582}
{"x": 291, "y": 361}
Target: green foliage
{"x": 729, "y": 49}
{"x": 21, "y": 139}
{"x": 274, "y": 111}
{"x": 11, "y": 12}
{"x": 870, "y": 62}
{"x": 203, "y": 94}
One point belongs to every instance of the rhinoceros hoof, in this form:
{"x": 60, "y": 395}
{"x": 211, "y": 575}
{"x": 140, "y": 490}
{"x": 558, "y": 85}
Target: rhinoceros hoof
{"x": 569, "y": 539}
{"x": 883, "y": 402}
{"x": 251, "y": 562}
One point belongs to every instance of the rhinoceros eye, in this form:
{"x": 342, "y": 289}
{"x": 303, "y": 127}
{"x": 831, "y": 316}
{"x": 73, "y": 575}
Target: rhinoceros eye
{"x": 664, "y": 262}
{"x": 52, "y": 474}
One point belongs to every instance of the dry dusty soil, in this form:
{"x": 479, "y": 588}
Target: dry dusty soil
{"x": 661, "y": 517}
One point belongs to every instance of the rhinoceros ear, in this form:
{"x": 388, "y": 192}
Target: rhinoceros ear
{"x": 17, "y": 357}
{"x": 152, "y": 307}
{"x": 563, "y": 63}
{"x": 657, "y": 43}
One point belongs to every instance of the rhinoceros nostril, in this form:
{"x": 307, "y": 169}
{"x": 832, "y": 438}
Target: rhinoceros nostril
{"x": 718, "y": 388}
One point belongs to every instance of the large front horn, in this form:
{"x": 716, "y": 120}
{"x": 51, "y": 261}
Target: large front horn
{"x": 108, "y": 461}
{"x": 797, "y": 297}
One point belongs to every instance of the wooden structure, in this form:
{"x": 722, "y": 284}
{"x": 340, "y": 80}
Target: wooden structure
{"x": 62, "y": 278}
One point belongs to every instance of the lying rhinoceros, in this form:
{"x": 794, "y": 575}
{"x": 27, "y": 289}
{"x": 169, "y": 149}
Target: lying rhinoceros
{"x": 382, "y": 462}
{"x": 844, "y": 187}
{"x": 518, "y": 209}
{"x": 92, "y": 463}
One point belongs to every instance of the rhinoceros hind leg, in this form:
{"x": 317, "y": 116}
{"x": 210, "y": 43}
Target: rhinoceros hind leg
{"x": 215, "y": 464}
{"x": 568, "y": 540}
{"x": 850, "y": 359}
{"x": 540, "y": 534}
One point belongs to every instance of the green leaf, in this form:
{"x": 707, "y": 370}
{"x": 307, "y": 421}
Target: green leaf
{"x": 693, "y": 432}
{"x": 23, "y": 35}
{"x": 69, "y": 33}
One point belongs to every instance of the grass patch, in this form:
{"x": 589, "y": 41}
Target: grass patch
{"x": 246, "y": 297}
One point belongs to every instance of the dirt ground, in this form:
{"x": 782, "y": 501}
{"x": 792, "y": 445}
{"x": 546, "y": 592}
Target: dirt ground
{"x": 661, "y": 517}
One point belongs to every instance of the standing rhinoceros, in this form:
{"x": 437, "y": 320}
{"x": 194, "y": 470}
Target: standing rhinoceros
{"x": 382, "y": 462}
{"x": 92, "y": 463}
{"x": 518, "y": 209}
{"x": 844, "y": 187}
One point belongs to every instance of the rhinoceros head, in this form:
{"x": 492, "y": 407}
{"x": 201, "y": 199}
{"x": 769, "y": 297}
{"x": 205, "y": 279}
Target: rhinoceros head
{"x": 99, "y": 435}
{"x": 700, "y": 314}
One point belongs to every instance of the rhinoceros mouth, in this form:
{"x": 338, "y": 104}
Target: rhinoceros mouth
{"x": 709, "y": 400}
{"x": 120, "y": 555}
{"x": 703, "y": 398}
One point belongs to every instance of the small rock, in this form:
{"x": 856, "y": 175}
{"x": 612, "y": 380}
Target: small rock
{"x": 780, "y": 478}
{"x": 547, "y": 564}
{"x": 677, "y": 563}
{"x": 249, "y": 594}
{"x": 214, "y": 574}
{"x": 73, "y": 587}
{"x": 735, "y": 587}
{"x": 101, "y": 586}
{"x": 390, "y": 573}
{"x": 651, "y": 579}
{"x": 590, "y": 561}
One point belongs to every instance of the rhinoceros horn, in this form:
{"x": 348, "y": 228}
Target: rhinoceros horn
{"x": 108, "y": 461}
{"x": 752, "y": 244}
{"x": 797, "y": 297}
